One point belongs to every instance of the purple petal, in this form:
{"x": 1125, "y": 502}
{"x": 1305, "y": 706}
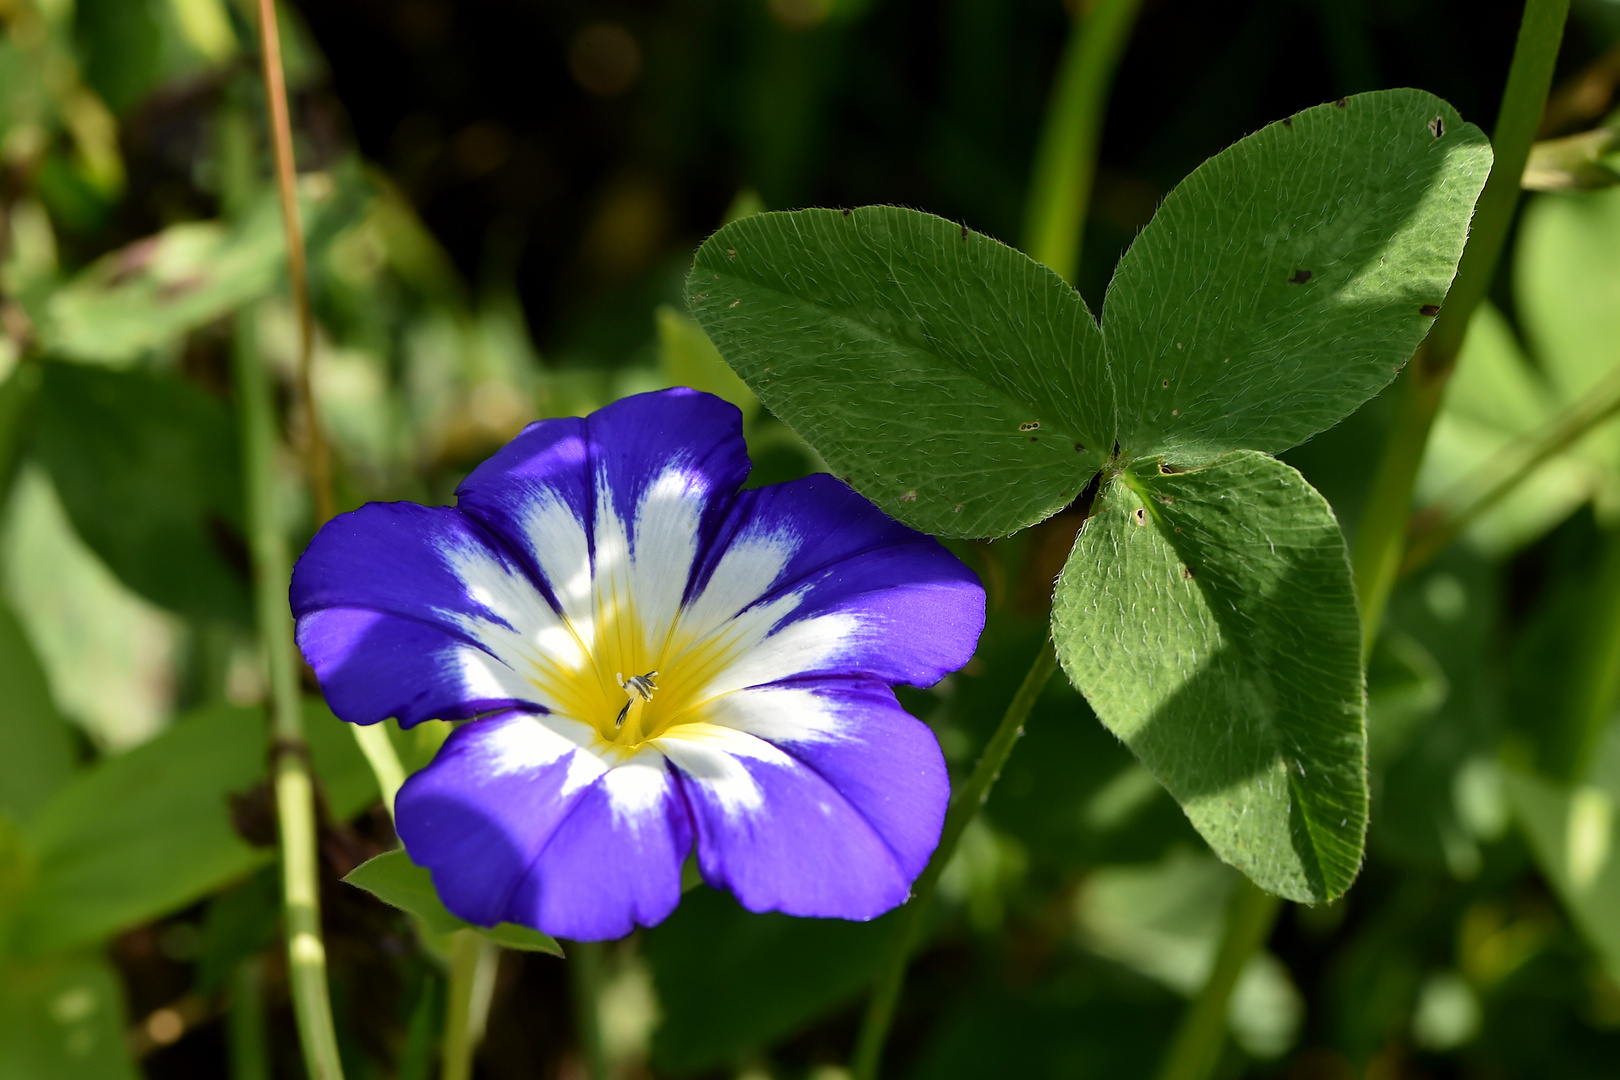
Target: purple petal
{"x": 392, "y": 618}
{"x": 912, "y": 610}
{"x": 519, "y": 824}
{"x": 820, "y": 802}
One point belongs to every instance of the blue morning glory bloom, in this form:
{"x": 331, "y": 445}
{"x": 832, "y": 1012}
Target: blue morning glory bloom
{"x": 650, "y": 659}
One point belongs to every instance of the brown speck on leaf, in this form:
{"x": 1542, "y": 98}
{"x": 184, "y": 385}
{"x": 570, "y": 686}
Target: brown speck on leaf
{"x": 910, "y": 495}
{"x": 1288, "y": 121}
{"x": 717, "y": 277}
{"x": 964, "y": 231}
{"x": 700, "y": 296}
{"x": 1300, "y": 277}
{"x": 1175, "y": 412}
{"x": 1186, "y": 573}
{"x": 1165, "y": 384}
{"x": 957, "y": 509}
{"x": 1226, "y": 360}
{"x": 734, "y": 303}
{"x": 846, "y": 211}
{"x": 1437, "y": 127}
{"x": 1034, "y": 438}
{"x": 1178, "y": 344}
{"x": 1342, "y": 102}
{"x": 1079, "y": 448}
{"x": 1431, "y": 310}
{"x": 1029, "y": 425}
{"x": 1139, "y": 515}
{"x": 731, "y": 253}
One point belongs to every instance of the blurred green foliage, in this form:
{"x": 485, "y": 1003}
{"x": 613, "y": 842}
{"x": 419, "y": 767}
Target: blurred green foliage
{"x": 501, "y": 201}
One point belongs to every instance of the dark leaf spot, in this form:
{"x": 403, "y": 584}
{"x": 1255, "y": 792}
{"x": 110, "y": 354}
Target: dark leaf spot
{"x": 1342, "y": 102}
{"x": 1300, "y": 277}
{"x": 964, "y": 231}
{"x": 846, "y": 211}
{"x": 1079, "y": 448}
{"x": 731, "y": 253}
{"x": 1029, "y": 425}
{"x": 1431, "y": 310}
{"x": 1140, "y": 515}
{"x": 1437, "y": 127}
{"x": 1165, "y": 384}
{"x": 1288, "y": 121}
{"x": 1186, "y": 573}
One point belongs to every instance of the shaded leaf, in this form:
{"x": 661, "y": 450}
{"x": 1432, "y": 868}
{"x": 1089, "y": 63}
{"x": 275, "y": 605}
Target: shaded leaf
{"x": 392, "y": 878}
{"x": 63, "y": 1019}
{"x": 1209, "y": 618}
{"x": 38, "y": 754}
{"x": 144, "y": 833}
{"x": 146, "y": 467}
{"x": 955, "y": 382}
{"x": 1284, "y": 282}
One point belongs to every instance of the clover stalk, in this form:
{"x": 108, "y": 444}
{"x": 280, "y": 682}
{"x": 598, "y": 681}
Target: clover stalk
{"x": 1381, "y": 535}
{"x": 913, "y": 917}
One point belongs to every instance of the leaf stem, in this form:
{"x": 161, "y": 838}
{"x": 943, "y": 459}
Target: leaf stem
{"x": 473, "y": 962}
{"x": 1381, "y": 535}
{"x": 913, "y": 916}
{"x": 1512, "y": 466}
{"x": 294, "y": 785}
{"x": 248, "y": 1040}
{"x": 1066, "y": 157}
{"x": 380, "y": 754}
{"x": 275, "y": 93}
{"x": 1199, "y": 1040}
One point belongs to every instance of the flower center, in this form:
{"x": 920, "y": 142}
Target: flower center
{"x": 639, "y": 689}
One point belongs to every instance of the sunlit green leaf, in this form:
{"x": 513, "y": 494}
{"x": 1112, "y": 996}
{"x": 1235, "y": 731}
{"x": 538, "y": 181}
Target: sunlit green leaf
{"x": 1285, "y": 281}
{"x": 955, "y": 382}
{"x": 144, "y": 833}
{"x": 1209, "y": 618}
{"x": 392, "y": 878}
{"x": 146, "y": 467}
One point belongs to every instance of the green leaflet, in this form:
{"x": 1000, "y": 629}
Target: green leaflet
{"x": 142, "y": 834}
{"x": 392, "y": 878}
{"x": 1209, "y": 618}
{"x": 1283, "y": 283}
{"x": 146, "y": 466}
{"x": 38, "y": 753}
{"x": 956, "y": 383}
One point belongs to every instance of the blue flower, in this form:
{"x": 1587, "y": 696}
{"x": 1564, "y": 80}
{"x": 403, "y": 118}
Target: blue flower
{"x": 650, "y": 660}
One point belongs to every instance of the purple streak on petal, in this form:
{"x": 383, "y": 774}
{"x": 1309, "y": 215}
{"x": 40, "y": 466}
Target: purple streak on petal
{"x": 605, "y": 872}
{"x": 921, "y": 610}
{"x": 630, "y": 442}
{"x": 377, "y": 606}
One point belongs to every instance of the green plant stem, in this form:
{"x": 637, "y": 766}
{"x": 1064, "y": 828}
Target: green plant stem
{"x": 1514, "y": 465}
{"x": 473, "y": 960}
{"x": 913, "y": 916}
{"x": 586, "y": 963}
{"x": 1381, "y": 535}
{"x": 294, "y": 785}
{"x": 1066, "y": 157}
{"x": 248, "y": 1039}
{"x": 1201, "y": 1037}
{"x": 380, "y": 754}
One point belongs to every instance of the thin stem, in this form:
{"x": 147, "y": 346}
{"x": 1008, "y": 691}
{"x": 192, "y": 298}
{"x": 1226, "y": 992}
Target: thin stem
{"x": 275, "y": 92}
{"x": 380, "y": 754}
{"x": 1066, "y": 158}
{"x": 585, "y": 970}
{"x": 1196, "y": 1050}
{"x": 249, "y": 1041}
{"x": 912, "y": 918}
{"x": 1381, "y": 534}
{"x": 294, "y": 786}
{"x": 1513, "y": 466}
{"x": 473, "y": 960}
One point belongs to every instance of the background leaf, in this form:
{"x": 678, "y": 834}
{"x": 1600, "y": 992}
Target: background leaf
{"x": 1281, "y": 284}
{"x": 1210, "y": 620}
{"x": 955, "y": 382}
{"x": 144, "y": 833}
{"x": 392, "y": 878}
{"x": 62, "y": 1019}
{"x": 38, "y": 753}
{"x": 146, "y": 467}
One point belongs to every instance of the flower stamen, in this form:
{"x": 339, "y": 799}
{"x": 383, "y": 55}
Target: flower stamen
{"x": 640, "y": 689}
